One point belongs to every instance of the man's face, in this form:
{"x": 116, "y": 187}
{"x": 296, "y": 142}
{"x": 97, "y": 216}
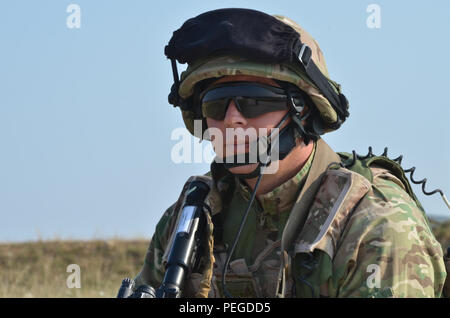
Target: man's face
{"x": 248, "y": 126}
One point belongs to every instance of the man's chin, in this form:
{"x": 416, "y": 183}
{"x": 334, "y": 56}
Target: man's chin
{"x": 244, "y": 169}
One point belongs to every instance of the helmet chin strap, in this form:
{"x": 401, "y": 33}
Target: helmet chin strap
{"x": 286, "y": 142}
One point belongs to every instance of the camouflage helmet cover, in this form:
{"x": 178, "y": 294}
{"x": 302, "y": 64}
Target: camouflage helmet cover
{"x": 225, "y": 65}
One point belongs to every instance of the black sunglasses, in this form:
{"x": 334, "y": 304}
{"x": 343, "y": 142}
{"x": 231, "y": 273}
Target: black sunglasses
{"x": 251, "y": 99}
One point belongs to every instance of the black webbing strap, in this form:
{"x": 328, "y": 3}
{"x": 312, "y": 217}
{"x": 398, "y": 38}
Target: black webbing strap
{"x": 338, "y": 102}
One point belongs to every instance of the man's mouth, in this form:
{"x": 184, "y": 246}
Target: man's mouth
{"x": 238, "y": 146}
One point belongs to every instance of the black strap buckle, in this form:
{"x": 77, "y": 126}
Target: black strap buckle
{"x": 298, "y": 108}
{"x": 305, "y": 55}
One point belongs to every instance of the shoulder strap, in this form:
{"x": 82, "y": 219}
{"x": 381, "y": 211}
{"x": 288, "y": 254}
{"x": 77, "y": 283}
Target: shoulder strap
{"x": 324, "y": 157}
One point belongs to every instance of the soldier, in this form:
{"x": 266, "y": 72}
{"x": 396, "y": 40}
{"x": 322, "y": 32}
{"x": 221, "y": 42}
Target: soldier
{"x": 323, "y": 224}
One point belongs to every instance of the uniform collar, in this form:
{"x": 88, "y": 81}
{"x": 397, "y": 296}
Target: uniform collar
{"x": 282, "y": 198}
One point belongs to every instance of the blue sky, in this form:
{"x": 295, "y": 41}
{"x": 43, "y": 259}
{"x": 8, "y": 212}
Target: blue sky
{"x": 85, "y": 125}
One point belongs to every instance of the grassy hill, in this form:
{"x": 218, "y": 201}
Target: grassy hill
{"x": 38, "y": 269}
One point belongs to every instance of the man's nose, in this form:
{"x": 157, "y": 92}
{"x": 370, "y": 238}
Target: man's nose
{"x": 233, "y": 117}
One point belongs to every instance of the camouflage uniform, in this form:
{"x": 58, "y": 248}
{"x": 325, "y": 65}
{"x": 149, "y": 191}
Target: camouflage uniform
{"x": 328, "y": 231}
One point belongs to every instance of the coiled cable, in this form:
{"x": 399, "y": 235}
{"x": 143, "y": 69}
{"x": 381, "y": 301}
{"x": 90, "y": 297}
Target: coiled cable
{"x": 370, "y": 154}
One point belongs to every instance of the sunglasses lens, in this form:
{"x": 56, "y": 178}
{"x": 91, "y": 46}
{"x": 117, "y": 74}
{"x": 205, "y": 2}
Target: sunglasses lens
{"x": 215, "y": 109}
{"x": 252, "y": 108}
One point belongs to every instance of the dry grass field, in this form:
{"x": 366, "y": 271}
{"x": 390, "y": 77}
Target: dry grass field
{"x": 38, "y": 269}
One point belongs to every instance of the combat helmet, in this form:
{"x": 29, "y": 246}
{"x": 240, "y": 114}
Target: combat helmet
{"x": 248, "y": 42}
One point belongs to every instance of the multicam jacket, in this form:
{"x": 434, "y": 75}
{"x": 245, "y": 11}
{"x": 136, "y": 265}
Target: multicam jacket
{"x": 327, "y": 232}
